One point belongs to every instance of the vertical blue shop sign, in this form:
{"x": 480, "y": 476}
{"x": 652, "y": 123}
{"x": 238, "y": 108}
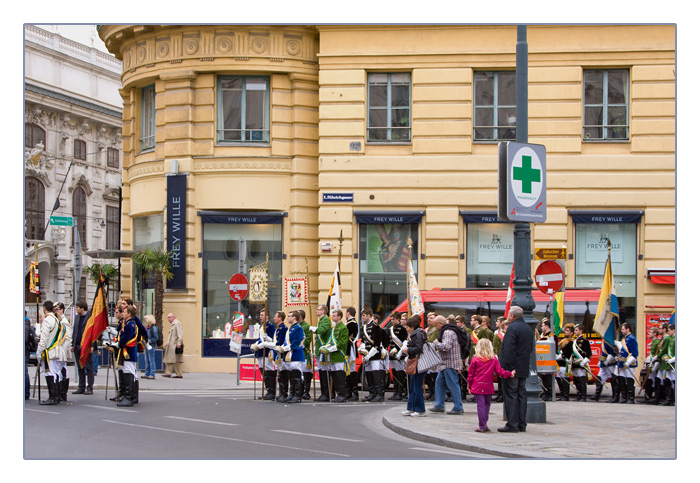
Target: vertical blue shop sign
{"x": 176, "y": 233}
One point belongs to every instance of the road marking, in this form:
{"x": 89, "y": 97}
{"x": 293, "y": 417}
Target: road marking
{"x": 286, "y": 447}
{"x": 459, "y": 453}
{"x": 202, "y": 421}
{"x": 111, "y": 409}
{"x": 316, "y": 435}
{"x": 41, "y": 411}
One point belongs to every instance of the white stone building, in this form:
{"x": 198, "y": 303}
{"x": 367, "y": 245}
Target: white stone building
{"x": 72, "y": 108}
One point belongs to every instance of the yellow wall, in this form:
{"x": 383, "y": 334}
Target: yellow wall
{"x": 319, "y": 106}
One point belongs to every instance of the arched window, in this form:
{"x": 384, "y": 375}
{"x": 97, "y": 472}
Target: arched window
{"x": 34, "y": 208}
{"x": 80, "y": 214}
{"x": 33, "y": 135}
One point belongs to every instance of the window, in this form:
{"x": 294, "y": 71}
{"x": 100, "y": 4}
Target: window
{"x": 148, "y": 232}
{"x": 605, "y": 105}
{"x": 112, "y": 228}
{"x": 112, "y": 158}
{"x": 80, "y": 214}
{"x": 79, "y": 149}
{"x": 494, "y": 106}
{"x": 389, "y": 116}
{"x": 33, "y": 135}
{"x": 243, "y": 105}
{"x": 490, "y": 254}
{"x": 148, "y": 118}
{"x": 34, "y": 209}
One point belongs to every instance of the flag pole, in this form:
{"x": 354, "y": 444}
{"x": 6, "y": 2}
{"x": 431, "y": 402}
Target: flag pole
{"x": 408, "y": 282}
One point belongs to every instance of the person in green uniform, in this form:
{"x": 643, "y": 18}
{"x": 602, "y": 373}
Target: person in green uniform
{"x": 308, "y": 369}
{"x": 335, "y": 349}
{"x": 323, "y": 332}
{"x": 668, "y": 365}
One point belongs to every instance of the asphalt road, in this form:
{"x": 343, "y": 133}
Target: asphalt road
{"x": 208, "y": 424}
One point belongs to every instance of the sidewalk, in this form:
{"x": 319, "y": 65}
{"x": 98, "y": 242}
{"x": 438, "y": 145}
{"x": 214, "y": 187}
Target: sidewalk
{"x": 590, "y": 430}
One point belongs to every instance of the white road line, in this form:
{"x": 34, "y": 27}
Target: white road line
{"x": 316, "y": 435}
{"x": 286, "y": 447}
{"x": 41, "y": 411}
{"x": 202, "y": 421}
{"x": 111, "y": 409}
{"x": 456, "y": 452}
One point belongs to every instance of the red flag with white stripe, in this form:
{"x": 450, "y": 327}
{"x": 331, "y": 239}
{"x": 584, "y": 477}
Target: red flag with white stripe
{"x": 509, "y": 296}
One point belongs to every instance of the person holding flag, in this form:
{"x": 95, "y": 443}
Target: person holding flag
{"x": 607, "y": 369}
{"x": 127, "y": 356}
{"x": 84, "y": 371}
{"x": 292, "y": 356}
{"x": 323, "y": 332}
{"x": 262, "y": 352}
{"x": 580, "y": 359}
{"x": 626, "y": 363}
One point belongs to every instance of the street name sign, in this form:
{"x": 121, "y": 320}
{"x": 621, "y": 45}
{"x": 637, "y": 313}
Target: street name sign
{"x": 61, "y": 221}
{"x": 522, "y": 182}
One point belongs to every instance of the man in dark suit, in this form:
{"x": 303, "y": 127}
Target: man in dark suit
{"x": 87, "y": 370}
{"x": 515, "y": 354}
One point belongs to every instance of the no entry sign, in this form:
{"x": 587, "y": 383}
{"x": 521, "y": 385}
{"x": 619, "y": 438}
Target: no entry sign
{"x": 238, "y": 286}
{"x": 549, "y": 277}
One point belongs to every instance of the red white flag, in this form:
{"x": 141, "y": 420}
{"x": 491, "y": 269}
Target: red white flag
{"x": 509, "y": 296}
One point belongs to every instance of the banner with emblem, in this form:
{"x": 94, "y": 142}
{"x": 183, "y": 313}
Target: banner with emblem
{"x": 296, "y": 291}
{"x": 257, "y": 280}
{"x": 416, "y": 301}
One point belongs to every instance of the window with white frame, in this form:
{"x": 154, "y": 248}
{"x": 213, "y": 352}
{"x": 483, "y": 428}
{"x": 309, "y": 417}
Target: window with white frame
{"x": 494, "y": 106}
{"x": 605, "y": 105}
{"x": 389, "y": 107}
{"x": 243, "y": 109}
{"x": 148, "y": 118}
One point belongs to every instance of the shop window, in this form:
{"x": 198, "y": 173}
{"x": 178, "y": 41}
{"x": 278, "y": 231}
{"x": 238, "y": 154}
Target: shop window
{"x": 494, "y": 106}
{"x": 384, "y": 256}
{"x": 148, "y": 232}
{"x": 34, "y": 206}
{"x": 234, "y": 243}
{"x": 243, "y": 109}
{"x": 605, "y": 105}
{"x": 389, "y": 106}
{"x": 489, "y": 250}
{"x": 148, "y": 118}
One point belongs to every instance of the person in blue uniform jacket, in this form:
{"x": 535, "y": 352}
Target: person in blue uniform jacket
{"x": 292, "y": 355}
{"x": 282, "y": 370}
{"x": 128, "y": 355}
{"x": 626, "y": 363}
{"x": 264, "y": 356}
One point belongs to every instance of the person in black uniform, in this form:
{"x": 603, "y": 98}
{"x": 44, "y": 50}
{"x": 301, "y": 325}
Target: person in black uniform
{"x": 352, "y": 378}
{"x": 581, "y": 358}
{"x": 398, "y": 338}
{"x": 371, "y": 350}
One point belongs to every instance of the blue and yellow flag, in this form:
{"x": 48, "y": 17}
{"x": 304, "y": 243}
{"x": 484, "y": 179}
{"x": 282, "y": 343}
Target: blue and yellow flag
{"x": 607, "y": 312}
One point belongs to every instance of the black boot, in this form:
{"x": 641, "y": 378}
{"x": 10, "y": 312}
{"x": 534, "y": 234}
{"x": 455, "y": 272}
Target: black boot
{"x": 127, "y": 400}
{"x": 670, "y": 396}
{"x": 615, "y": 390}
{"x": 564, "y": 389}
{"x": 296, "y": 387}
{"x": 630, "y": 390}
{"x": 52, "y": 400}
{"x": 352, "y": 390}
{"x": 323, "y": 379}
{"x": 658, "y": 391}
{"x": 598, "y": 390}
{"x": 378, "y": 377}
{"x": 308, "y": 377}
{"x": 120, "y": 387}
{"x": 270, "y": 385}
{"x": 283, "y": 384}
{"x": 399, "y": 382}
{"x": 622, "y": 387}
{"x": 135, "y": 395}
{"x": 648, "y": 390}
{"x": 339, "y": 385}
{"x": 369, "y": 376}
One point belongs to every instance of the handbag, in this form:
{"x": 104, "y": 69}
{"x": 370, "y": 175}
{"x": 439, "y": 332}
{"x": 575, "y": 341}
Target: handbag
{"x": 411, "y": 366}
{"x": 178, "y": 350}
{"x": 428, "y": 359}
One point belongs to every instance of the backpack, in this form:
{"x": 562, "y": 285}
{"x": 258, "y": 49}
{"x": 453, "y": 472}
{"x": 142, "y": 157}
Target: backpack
{"x": 159, "y": 342}
{"x": 462, "y": 338}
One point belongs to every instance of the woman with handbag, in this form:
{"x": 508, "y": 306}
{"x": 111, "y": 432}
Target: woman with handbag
{"x": 416, "y": 339}
{"x": 174, "y": 348}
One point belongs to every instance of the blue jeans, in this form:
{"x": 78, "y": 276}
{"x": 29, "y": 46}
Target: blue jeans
{"x": 448, "y": 378}
{"x": 95, "y": 361}
{"x": 415, "y": 393}
{"x": 151, "y": 362}
{"x": 27, "y": 383}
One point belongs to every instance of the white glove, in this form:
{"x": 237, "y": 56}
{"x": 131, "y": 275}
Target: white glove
{"x": 286, "y": 348}
{"x": 383, "y": 353}
{"x": 313, "y": 328}
{"x": 672, "y": 360}
{"x": 279, "y": 349}
{"x": 647, "y": 360}
{"x": 653, "y": 359}
{"x": 332, "y": 348}
{"x": 269, "y": 345}
{"x": 655, "y": 367}
{"x": 585, "y": 361}
{"x": 393, "y": 352}
{"x": 609, "y": 360}
{"x": 362, "y": 350}
{"x": 630, "y": 360}
{"x": 266, "y": 338}
{"x": 618, "y": 344}
{"x": 254, "y": 347}
{"x": 372, "y": 352}
{"x": 560, "y": 358}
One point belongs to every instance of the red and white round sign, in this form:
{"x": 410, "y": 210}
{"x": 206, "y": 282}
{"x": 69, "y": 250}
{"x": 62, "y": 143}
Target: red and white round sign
{"x": 549, "y": 277}
{"x": 238, "y": 286}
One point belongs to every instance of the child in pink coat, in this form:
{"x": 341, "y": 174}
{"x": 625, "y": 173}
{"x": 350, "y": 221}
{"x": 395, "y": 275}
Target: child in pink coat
{"x": 480, "y": 380}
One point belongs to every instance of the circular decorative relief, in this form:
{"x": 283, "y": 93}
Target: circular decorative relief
{"x": 293, "y": 47}
{"x": 224, "y": 45}
{"x": 258, "y": 45}
{"x": 163, "y": 49}
{"x": 140, "y": 54}
{"x": 191, "y": 46}
{"x": 127, "y": 60}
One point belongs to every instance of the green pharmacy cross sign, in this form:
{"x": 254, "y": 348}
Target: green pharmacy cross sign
{"x": 522, "y": 193}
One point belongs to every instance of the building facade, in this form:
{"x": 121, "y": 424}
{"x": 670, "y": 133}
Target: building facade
{"x": 73, "y": 160}
{"x": 247, "y": 142}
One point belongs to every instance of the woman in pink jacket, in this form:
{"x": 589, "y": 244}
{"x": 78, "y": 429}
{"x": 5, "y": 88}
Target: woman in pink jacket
{"x": 480, "y": 380}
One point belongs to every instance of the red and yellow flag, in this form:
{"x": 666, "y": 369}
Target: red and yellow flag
{"x": 97, "y": 321}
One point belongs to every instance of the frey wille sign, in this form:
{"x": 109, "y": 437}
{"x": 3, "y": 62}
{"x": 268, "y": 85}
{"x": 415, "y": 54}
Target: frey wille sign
{"x": 176, "y": 222}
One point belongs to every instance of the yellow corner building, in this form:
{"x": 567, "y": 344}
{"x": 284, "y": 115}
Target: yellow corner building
{"x": 247, "y": 142}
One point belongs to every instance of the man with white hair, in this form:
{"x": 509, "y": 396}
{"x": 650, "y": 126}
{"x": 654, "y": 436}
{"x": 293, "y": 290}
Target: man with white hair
{"x": 515, "y": 355}
{"x": 448, "y": 347}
